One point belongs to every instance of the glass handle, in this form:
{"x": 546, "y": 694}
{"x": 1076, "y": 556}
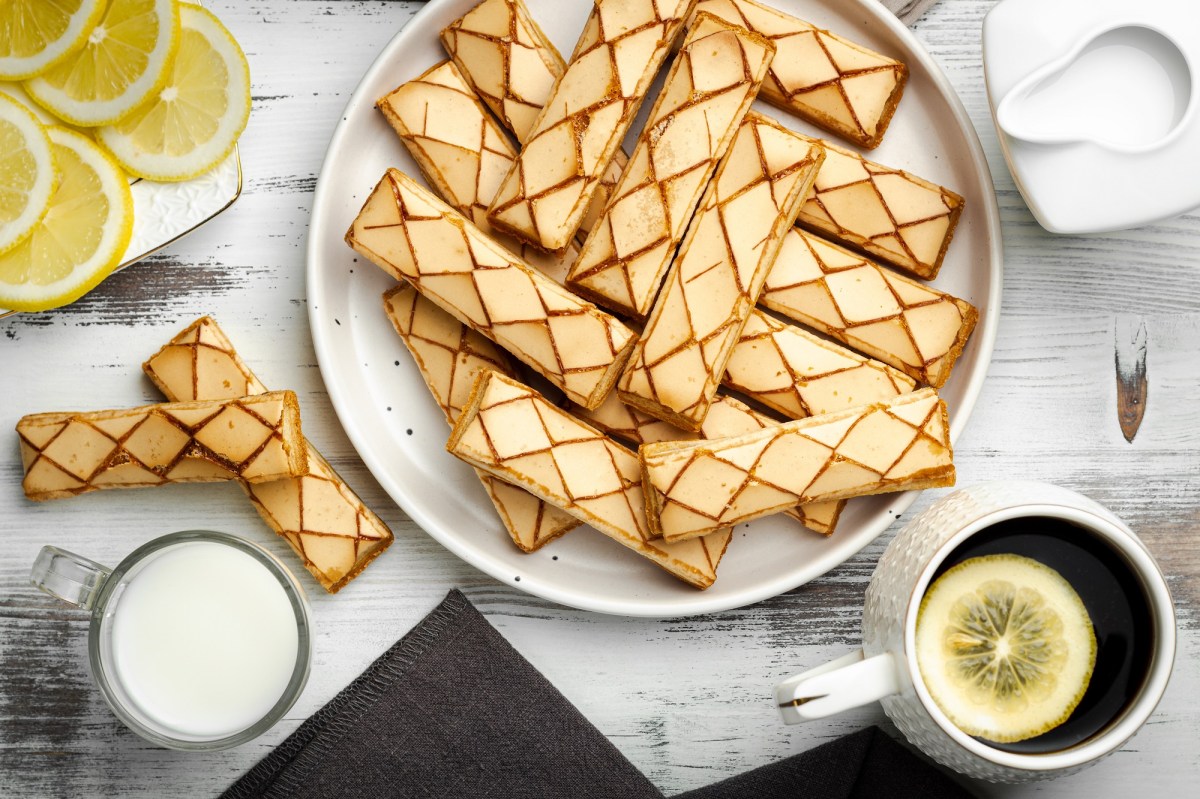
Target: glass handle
{"x": 68, "y": 576}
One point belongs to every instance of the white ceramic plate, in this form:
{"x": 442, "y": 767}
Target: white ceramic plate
{"x": 400, "y": 433}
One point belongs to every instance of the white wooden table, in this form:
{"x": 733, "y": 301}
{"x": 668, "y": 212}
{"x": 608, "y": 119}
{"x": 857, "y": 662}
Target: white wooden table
{"x": 686, "y": 700}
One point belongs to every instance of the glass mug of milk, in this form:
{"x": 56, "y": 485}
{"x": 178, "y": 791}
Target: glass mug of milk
{"x": 198, "y": 641}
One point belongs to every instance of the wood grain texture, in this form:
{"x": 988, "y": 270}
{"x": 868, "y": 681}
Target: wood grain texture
{"x": 1131, "y": 342}
{"x": 1052, "y": 375}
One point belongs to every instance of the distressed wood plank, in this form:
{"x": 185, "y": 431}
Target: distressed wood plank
{"x": 1052, "y": 372}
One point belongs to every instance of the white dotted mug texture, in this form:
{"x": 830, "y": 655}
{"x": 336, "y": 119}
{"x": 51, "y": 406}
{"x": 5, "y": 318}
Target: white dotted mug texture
{"x": 895, "y": 588}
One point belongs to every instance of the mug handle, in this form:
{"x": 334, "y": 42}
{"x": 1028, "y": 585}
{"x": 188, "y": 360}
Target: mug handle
{"x": 849, "y": 681}
{"x": 69, "y": 577}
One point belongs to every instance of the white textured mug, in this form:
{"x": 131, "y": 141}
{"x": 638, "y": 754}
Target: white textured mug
{"x": 885, "y": 669}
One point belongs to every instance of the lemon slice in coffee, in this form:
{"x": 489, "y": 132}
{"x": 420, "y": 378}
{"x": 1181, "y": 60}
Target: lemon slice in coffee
{"x": 1005, "y": 647}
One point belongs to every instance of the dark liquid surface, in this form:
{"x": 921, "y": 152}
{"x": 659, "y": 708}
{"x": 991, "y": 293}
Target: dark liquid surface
{"x": 1114, "y": 599}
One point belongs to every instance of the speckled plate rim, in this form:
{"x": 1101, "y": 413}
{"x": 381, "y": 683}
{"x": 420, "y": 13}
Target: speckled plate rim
{"x": 346, "y": 384}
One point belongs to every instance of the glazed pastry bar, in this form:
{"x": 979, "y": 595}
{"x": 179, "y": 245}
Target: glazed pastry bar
{"x": 693, "y": 488}
{"x": 545, "y": 195}
{"x": 507, "y": 58}
{"x": 500, "y": 50}
{"x": 462, "y": 152}
{"x": 901, "y": 219}
{"x": 715, "y": 280}
{"x": 705, "y": 96}
{"x": 513, "y": 432}
{"x": 726, "y": 417}
{"x": 916, "y": 328}
{"x": 257, "y": 439}
{"x": 449, "y": 355}
{"x": 833, "y": 83}
{"x": 798, "y": 374}
{"x": 414, "y": 236}
{"x": 332, "y": 531}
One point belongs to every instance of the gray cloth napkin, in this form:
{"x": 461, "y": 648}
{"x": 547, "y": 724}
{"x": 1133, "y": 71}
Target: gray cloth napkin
{"x": 863, "y": 765}
{"x": 452, "y": 710}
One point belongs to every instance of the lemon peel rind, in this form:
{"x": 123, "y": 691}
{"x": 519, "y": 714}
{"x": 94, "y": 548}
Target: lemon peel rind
{"x": 68, "y": 44}
{"x": 108, "y": 112}
{"x": 158, "y": 167}
{"x": 16, "y": 92}
{"x": 944, "y": 692}
{"x": 13, "y": 233}
{"x": 115, "y": 241}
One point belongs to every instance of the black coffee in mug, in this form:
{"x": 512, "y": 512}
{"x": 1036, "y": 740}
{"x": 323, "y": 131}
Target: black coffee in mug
{"x": 1115, "y": 600}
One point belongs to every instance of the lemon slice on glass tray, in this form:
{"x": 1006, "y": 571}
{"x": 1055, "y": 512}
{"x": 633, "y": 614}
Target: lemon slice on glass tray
{"x": 27, "y": 174}
{"x": 82, "y": 236}
{"x": 193, "y": 123}
{"x": 123, "y": 62}
{"x": 1005, "y": 646}
{"x": 37, "y": 34}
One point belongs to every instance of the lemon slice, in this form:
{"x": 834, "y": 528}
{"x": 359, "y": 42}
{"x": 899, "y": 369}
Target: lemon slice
{"x": 26, "y": 172}
{"x": 37, "y": 34}
{"x": 1005, "y": 646}
{"x": 195, "y": 120}
{"x": 81, "y": 238}
{"x": 14, "y": 91}
{"x": 123, "y": 62}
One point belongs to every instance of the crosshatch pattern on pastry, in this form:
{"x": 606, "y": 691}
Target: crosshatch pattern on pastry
{"x": 507, "y": 58}
{"x": 704, "y": 98}
{"x": 546, "y": 194}
{"x": 897, "y": 445}
{"x": 727, "y": 417}
{"x": 797, "y": 374}
{"x": 414, "y": 236}
{"x": 462, "y": 152}
{"x": 255, "y": 438}
{"x": 714, "y": 281}
{"x": 513, "y": 432}
{"x": 833, "y": 83}
{"x": 449, "y": 356}
{"x": 909, "y": 325}
{"x": 513, "y": 73}
{"x": 901, "y": 219}
{"x": 329, "y": 527}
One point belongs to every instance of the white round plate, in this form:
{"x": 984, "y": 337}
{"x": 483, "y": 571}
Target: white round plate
{"x": 400, "y": 433}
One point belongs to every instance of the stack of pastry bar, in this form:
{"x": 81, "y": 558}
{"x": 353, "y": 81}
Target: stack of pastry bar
{"x": 727, "y": 322}
{"x": 220, "y": 424}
